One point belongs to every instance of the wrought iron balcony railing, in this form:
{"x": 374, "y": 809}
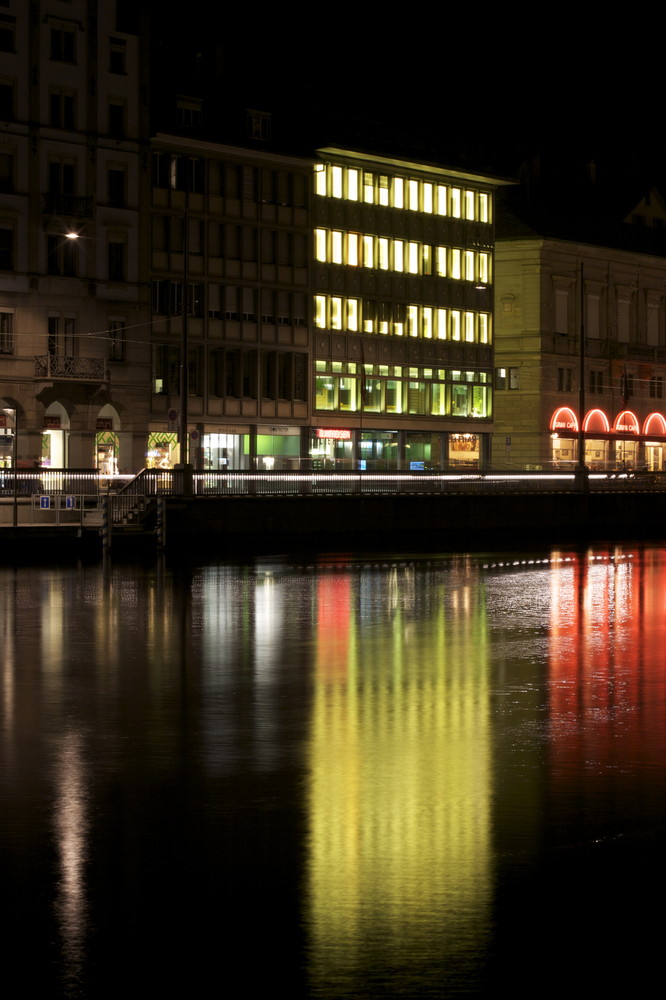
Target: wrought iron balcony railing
{"x": 62, "y": 366}
{"x": 80, "y": 207}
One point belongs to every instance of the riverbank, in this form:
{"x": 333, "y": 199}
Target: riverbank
{"x": 203, "y": 528}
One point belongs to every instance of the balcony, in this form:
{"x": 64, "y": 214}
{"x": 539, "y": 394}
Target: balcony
{"x": 62, "y": 367}
{"x": 72, "y": 205}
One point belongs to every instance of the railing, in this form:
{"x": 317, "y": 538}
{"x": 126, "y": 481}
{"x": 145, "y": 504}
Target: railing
{"x": 157, "y": 482}
{"x": 50, "y": 481}
{"x": 65, "y": 366}
{"x": 79, "y": 206}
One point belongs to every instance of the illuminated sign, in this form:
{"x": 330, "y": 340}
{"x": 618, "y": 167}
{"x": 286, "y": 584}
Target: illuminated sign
{"x": 335, "y": 434}
{"x": 564, "y": 419}
{"x": 626, "y": 423}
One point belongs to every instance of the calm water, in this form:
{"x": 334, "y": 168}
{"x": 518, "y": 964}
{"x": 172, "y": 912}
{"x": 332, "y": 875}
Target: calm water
{"x": 349, "y": 779}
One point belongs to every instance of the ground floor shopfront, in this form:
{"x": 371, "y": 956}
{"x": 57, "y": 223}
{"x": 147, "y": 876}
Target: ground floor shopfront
{"x": 621, "y": 442}
{"x": 281, "y": 447}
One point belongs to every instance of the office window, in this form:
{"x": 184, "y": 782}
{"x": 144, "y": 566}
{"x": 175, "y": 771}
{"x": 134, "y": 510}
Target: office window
{"x": 117, "y": 55}
{"x": 116, "y": 335}
{"x": 6, "y": 333}
{"x": 63, "y": 45}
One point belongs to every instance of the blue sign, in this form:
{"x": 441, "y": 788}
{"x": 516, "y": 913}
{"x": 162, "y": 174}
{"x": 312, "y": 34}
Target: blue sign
{"x": 44, "y": 503}
{"x": 70, "y": 503}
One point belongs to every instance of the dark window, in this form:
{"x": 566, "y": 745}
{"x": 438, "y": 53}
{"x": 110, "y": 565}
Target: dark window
{"x": 565, "y": 380}
{"x": 116, "y": 120}
{"x": 61, "y": 256}
{"x": 7, "y": 113}
{"x": 116, "y": 186}
{"x": 6, "y": 333}
{"x": 6, "y": 36}
{"x": 6, "y": 249}
{"x": 63, "y": 45}
{"x": 596, "y": 381}
{"x": 62, "y": 177}
{"x": 6, "y": 172}
{"x": 259, "y": 125}
{"x": 116, "y": 333}
{"x": 116, "y": 258}
{"x": 656, "y": 387}
{"x": 116, "y": 55}
{"x": 166, "y": 370}
{"x": 62, "y": 110}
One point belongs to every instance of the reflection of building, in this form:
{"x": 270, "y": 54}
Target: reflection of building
{"x": 72, "y": 311}
{"x": 537, "y": 324}
{"x": 403, "y": 313}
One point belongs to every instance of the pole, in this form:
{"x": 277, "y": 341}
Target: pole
{"x": 581, "y": 469}
{"x": 15, "y": 464}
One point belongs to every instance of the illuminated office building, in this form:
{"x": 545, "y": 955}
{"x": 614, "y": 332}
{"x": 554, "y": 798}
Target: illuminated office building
{"x": 402, "y": 325}
{"x": 74, "y": 334}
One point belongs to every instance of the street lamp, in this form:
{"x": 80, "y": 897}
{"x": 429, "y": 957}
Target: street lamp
{"x": 12, "y": 411}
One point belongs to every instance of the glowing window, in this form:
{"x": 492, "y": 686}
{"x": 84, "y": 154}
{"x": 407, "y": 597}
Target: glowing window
{"x": 336, "y": 247}
{"x": 413, "y": 195}
{"x": 484, "y": 208}
{"x": 336, "y": 182}
{"x": 336, "y": 313}
{"x": 368, "y": 251}
{"x": 427, "y": 197}
{"x": 369, "y": 315}
{"x": 398, "y": 192}
{"x": 352, "y": 249}
{"x": 484, "y": 270}
{"x": 456, "y": 202}
{"x": 426, "y": 317}
{"x": 426, "y": 259}
{"x": 442, "y": 199}
{"x": 399, "y": 320}
{"x": 352, "y": 315}
{"x": 469, "y": 265}
{"x": 352, "y": 183}
{"x": 441, "y": 261}
{"x": 440, "y": 320}
{"x": 368, "y": 188}
{"x": 455, "y": 264}
{"x": 320, "y": 179}
{"x": 455, "y": 324}
{"x": 383, "y": 190}
{"x": 469, "y": 327}
{"x": 383, "y": 253}
{"x": 320, "y": 311}
{"x": 413, "y": 321}
{"x": 469, "y": 205}
{"x": 483, "y": 320}
{"x": 320, "y": 244}
{"x": 413, "y": 258}
{"x": 398, "y": 255}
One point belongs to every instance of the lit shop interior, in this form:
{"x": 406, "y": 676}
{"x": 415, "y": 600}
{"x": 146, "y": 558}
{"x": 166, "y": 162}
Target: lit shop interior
{"x": 625, "y": 443}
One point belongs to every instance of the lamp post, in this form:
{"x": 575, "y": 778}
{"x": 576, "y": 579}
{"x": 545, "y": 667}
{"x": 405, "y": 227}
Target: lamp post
{"x": 12, "y": 411}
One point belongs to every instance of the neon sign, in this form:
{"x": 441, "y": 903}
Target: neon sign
{"x": 335, "y": 434}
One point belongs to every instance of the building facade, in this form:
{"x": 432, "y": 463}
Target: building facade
{"x": 546, "y": 291}
{"x": 74, "y": 316}
{"x": 403, "y": 304}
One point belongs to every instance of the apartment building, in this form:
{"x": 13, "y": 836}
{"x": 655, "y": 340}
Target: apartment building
{"x": 74, "y": 306}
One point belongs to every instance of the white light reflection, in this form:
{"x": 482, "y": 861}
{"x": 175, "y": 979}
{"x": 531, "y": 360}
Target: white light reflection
{"x": 71, "y": 830}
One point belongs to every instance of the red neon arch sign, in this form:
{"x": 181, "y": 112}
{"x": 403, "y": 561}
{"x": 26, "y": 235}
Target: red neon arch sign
{"x": 655, "y": 423}
{"x": 596, "y": 421}
{"x": 626, "y": 423}
{"x": 564, "y": 419}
